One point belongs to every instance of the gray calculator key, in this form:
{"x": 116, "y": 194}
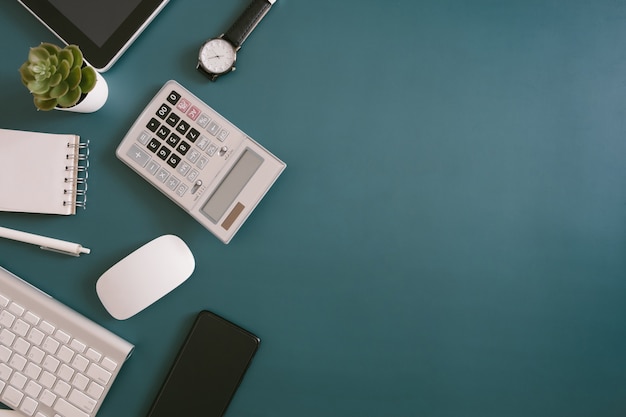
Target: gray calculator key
{"x": 138, "y": 155}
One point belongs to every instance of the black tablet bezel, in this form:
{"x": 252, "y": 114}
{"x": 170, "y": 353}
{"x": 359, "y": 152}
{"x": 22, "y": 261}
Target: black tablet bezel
{"x": 100, "y": 57}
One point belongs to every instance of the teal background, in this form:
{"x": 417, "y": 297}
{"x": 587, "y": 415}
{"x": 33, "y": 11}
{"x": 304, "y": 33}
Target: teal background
{"x": 448, "y": 238}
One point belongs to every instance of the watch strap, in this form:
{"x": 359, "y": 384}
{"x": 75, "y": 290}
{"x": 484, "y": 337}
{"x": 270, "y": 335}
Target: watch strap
{"x": 245, "y": 24}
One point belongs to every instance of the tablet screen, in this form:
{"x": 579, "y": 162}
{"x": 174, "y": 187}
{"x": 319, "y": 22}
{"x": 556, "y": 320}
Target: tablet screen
{"x": 96, "y": 19}
{"x": 103, "y": 29}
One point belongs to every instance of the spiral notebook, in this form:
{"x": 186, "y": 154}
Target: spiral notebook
{"x": 42, "y": 172}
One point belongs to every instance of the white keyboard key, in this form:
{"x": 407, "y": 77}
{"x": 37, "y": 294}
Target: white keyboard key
{"x": 36, "y": 355}
{"x": 21, "y": 346}
{"x": 82, "y": 401}
{"x": 65, "y": 373}
{"x": 6, "y": 337}
{"x": 108, "y": 364}
{"x": 62, "y": 337}
{"x": 47, "y": 379}
{"x": 5, "y": 372}
{"x": 98, "y": 374}
{"x": 50, "y": 345}
{"x": 21, "y": 327}
{"x": 62, "y": 388}
{"x": 68, "y": 410}
{"x": 80, "y": 381}
{"x": 12, "y": 397}
{"x": 3, "y": 301}
{"x": 51, "y": 364}
{"x": 17, "y": 362}
{"x": 18, "y": 380}
{"x": 95, "y": 390}
{"x": 33, "y": 389}
{"x": 6, "y": 319}
{"x": 29, "y": 406}
{"x": 78, "y": 346}
{"x": 16, "y": 309}
{"x": 93, "y": 355}
{"x": 35, "y": 336}
{"x": 31, "y": 318}
{"x": 65, "y": 354}
{"x": 47, "y": 398}
{"x": 80, "y": 363}
{"x": 46, "y": 327}
{"x": 32, "y": 371}
{"x": 5, "y": 353}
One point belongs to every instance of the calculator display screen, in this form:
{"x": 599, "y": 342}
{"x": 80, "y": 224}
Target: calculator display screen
{"x": 232, "y": 184}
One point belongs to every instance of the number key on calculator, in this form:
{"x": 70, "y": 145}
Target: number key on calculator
{"x": 199, "y": 159}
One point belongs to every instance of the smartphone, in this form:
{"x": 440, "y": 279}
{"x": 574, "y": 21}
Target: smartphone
{"x": 208, "y": 369}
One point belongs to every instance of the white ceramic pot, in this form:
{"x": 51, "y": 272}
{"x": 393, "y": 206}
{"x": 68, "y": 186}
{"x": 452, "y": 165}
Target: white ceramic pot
{"x": 92, "y": 101}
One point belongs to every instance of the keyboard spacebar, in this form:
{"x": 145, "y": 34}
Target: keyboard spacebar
{"x": 68, "y": 410}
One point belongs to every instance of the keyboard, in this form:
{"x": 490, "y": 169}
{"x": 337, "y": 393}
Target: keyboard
{"x": 54, "y": 362}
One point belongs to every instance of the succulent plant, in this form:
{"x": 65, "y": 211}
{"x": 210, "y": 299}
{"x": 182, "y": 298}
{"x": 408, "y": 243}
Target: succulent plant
{"x": 57, "y": 76}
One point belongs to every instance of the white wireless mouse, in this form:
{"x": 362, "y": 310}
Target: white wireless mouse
{"x": 144, "y": 276}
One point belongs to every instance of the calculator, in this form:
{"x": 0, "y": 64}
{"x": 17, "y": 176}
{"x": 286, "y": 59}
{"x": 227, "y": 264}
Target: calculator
{"x": 199, "y": 159}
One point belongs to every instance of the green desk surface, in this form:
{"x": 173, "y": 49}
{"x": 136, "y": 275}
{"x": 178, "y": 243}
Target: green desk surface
{"x": 448, "y": 239}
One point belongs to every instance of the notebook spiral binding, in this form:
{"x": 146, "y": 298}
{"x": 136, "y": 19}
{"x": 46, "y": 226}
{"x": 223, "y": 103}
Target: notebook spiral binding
{"x": 79, "y": 168}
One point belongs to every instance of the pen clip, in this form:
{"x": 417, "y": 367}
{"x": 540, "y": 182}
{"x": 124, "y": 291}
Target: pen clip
{"x": 76, "y": 255}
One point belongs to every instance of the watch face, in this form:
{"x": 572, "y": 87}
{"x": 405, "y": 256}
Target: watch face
{"x": 217, "y": 56}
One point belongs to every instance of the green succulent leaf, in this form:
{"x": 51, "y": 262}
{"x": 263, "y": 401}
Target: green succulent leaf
{"x": 73, "y": 78}
{"x": 64, "y": 69}
{"x": 88, "y": 80}
{"x": 45, "y": 104}
{"x": 38, "y": 54}
{"x": 71, "y": 98}
{"x": 26, "y": 74}
{"x": 60, "y": 90}
{"x": 50, "y": 47}
{"x": 78, "y": 55}
{"x": 66, "y": 56}
{"x": 37, "y": 87}
{"x": 55, "y": 80}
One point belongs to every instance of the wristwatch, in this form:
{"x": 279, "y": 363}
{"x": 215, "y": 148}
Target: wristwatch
{"x": 218, "y": 55}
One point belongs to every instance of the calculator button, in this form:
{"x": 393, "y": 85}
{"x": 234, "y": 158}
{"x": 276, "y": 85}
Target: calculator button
{"x": 152, "y": 167}
{"x": 203, "y": 120}
{"x": 211, "y": 149}
{"x": 183, "y": 168}
{"x": 213, "y": 128}
{"x": 172, "y": 183}
{"x": 222, "y": 135}
{"x": 193, "y": 175}
{"x": 193, "y": 135}
{"x": 143, "y": 137}
{"x": 162, "y": 175}
{"x": 202, "y": 162}
{"x": 183, "y": 148}
{"x": 181, "y": 190}
{"x": 183, "y": 105}
{"x": 154, "y": 145}
{"x": 193, "y": 113}
{"x": 153, "y": 125}
{"x": 193, "y": 156}
{"x": 173, "y": 160}
{"x": 162, "y": 132}
{"x": 173, "y": 140}
{"x": 183, "y": 127}
{"x": 163, "y": 153}
{"x": 173, "y": 119}
{"x": 138, "y": 155}
{"x": 203, "y": 143}
{"x": 163, "y": 111}
{"x": 173, "y": 97}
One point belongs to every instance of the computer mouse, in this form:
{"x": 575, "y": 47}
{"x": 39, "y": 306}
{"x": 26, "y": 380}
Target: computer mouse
{"x": 145, "y": 276}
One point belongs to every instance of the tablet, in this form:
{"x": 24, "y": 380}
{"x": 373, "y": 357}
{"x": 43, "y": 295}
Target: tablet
{"x": 103, "y": 29}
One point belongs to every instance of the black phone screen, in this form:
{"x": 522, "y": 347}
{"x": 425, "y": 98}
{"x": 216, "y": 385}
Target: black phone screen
{"x": 207, "y": 370}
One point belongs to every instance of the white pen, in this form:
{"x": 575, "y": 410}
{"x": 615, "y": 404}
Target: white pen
{"x": 46, "y": 243}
